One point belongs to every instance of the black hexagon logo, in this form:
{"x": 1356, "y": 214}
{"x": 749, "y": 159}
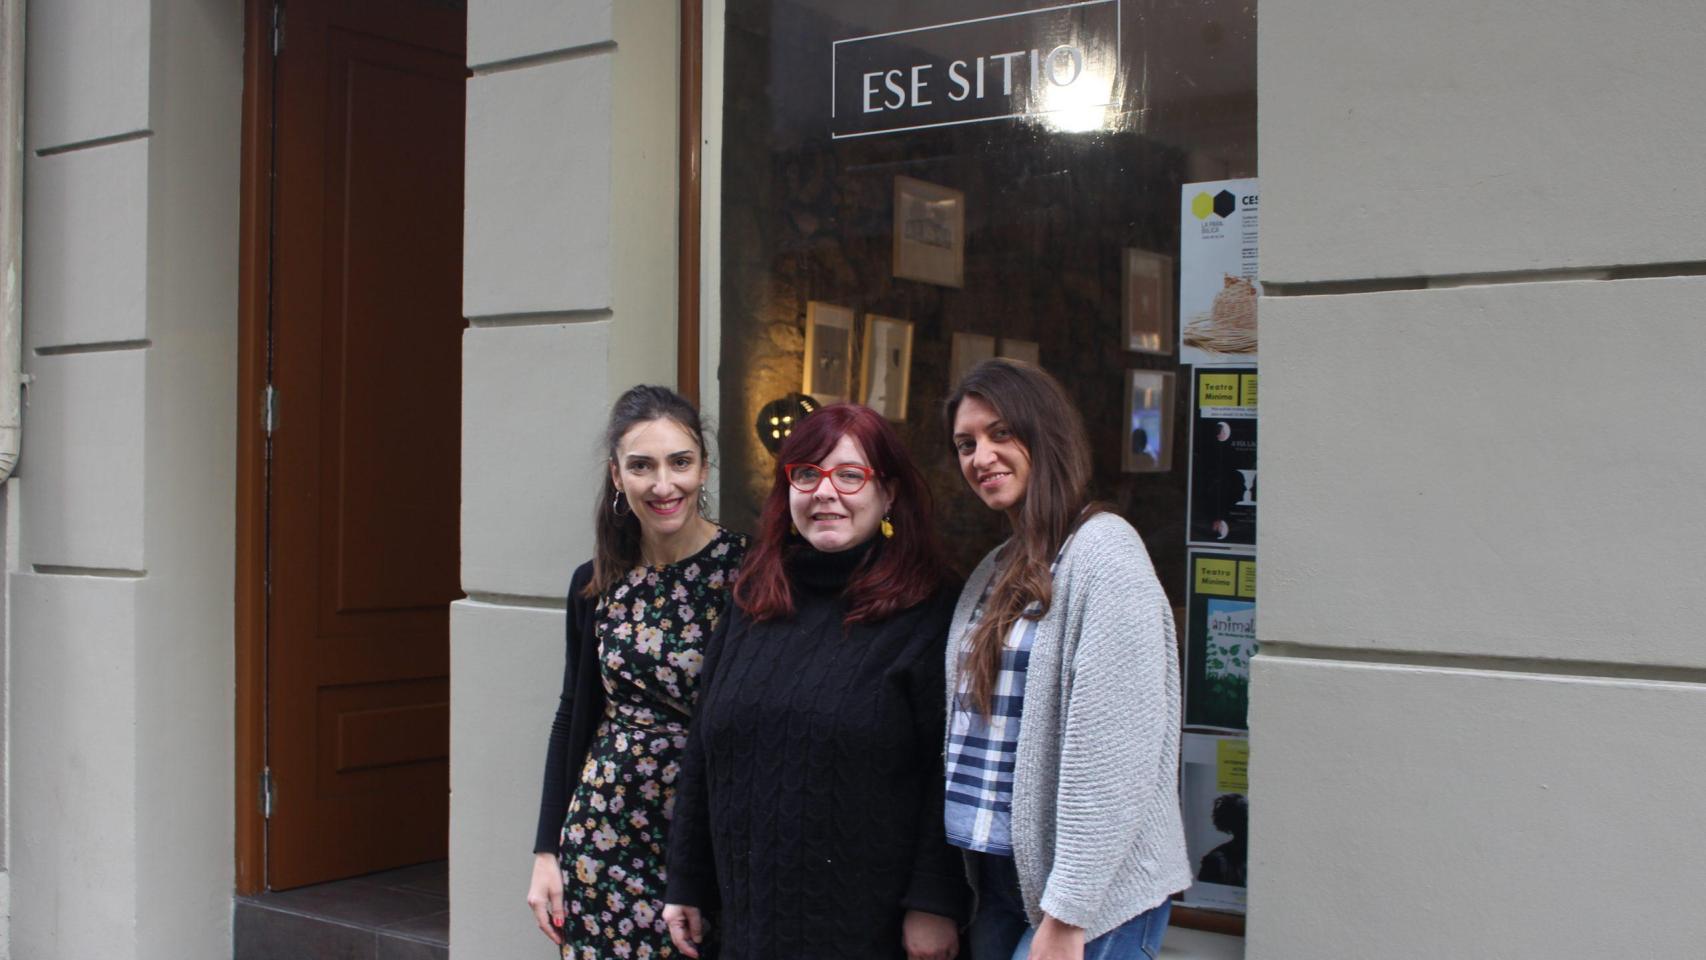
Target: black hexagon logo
{"x": 1225, "y": 203}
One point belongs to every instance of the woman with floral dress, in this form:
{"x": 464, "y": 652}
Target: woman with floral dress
{"x": 639, "y": 615}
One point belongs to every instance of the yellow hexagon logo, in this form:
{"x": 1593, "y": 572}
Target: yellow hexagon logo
{"x": 1202, "y": 205}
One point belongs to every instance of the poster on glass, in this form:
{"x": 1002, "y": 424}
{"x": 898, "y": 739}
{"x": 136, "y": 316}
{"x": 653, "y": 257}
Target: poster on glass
{"x": 1218, "y": 289}
{"x": 1221, "y": 504}
{"x": 1214, "y": 792}
{"x": 888, "y": 365}
{"x": 1148, "y": 446}
{"x": 828, "y": 371}
{"x": 929, "y": 232}
{"x": 1220, "y": 639}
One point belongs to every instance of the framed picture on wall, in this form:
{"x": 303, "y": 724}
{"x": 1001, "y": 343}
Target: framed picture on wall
{"x": 929, "y": 232}
{"x": 1026, "y": 350}
{"x": 1148, "y": 301}
{"x": 888, "y": 365}
{"x": 969, "y": 350}
{"x": 1148, "y": 443}
{"x": 828, "y": 374}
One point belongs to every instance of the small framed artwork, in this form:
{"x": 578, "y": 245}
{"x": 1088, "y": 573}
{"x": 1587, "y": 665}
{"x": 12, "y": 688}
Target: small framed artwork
{"x": 1148, "y": 302}
{"x": 1148, "y": 444}
{"x": 829, "y": 352}
{"x": 1026, "y": 350}
{"x": 969, "y": 350}
{"x": 888, "y": 365}
{"x": 929, "y": 232}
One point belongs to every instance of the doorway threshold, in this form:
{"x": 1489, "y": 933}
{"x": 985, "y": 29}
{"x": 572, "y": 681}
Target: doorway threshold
{"x": 396, "y": 915}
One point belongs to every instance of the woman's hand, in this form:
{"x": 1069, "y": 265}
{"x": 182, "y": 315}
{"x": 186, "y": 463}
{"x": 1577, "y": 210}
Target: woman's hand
{"x": 545, "y": 896}
{"x": 1056, "y": 940}
{"x": 686, "y": 927}
{"x": 929, "y": 936}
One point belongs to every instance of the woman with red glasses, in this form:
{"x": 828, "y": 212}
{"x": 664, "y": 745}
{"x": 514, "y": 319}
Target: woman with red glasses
{"x": 808, "y": 815}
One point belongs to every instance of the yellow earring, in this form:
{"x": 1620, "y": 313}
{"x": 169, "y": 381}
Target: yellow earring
{"x": 887, "y": 528}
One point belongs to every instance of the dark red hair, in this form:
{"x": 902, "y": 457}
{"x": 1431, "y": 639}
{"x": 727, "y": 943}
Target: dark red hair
{"x": 899, "y": 573}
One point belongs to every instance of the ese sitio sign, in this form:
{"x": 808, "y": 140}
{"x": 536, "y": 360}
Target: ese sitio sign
{"x": 989, "y": 68}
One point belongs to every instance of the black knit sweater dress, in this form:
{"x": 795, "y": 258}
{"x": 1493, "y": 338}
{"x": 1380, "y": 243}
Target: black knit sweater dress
{"x": 808, "y": 818}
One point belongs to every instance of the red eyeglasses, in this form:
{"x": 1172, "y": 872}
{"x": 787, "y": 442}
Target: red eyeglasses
{"x": 846, "y": 478}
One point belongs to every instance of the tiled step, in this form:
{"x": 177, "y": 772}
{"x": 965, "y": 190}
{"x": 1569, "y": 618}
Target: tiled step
{"x": 397, "y": 915}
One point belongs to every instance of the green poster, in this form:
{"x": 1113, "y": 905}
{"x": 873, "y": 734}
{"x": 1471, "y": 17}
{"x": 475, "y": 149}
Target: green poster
{"x": 1220, "y": 640}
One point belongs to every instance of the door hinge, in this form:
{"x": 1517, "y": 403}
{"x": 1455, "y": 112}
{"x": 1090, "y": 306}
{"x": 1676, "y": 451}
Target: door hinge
{"x": 277, "y": 29}
{"x": 269, "y": 792}
{"x": 269, "y": 409}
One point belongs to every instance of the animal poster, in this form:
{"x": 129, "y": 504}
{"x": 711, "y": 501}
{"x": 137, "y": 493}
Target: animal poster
{"x": 1220, "y": 639}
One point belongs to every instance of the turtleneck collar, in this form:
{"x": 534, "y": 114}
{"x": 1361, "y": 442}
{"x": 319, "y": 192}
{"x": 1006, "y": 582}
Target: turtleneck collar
{"x": 822, "y": 572}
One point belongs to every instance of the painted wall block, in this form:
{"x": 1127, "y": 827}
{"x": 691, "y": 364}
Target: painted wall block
{"x": 1506, "y": 470}
{"x": 534, "y": 403}
{"x": 73, "y": 767}
{"x": 1404, "y": 139}
{"x": 87, "y": 70}
{"x": 537, "y": 228}
{"x": 86, "y": 246}
{"x": 83, "y": 450}
{"x": 645, "y": 237}
{"x": 506, "y": 671}
{"x": 501, "y": 30}
{"x": 1414, "y": 812}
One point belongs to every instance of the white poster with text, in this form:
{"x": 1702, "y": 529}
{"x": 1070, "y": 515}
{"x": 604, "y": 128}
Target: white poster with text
{"x": 1217, "y": 272}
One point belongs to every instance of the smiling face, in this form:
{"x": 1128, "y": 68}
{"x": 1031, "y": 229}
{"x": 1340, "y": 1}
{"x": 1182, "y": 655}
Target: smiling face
{"x": 830, "y": 520}
{"x": 992, "y": 459}
{"x": 659, "y": 469}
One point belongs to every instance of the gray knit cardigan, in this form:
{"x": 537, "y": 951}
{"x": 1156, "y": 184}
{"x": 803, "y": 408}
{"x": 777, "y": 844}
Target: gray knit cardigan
{"x": 1097, "y": 837}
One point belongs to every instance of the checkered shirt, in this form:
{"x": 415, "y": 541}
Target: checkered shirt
{"x": 977, "y": 810}
{"x": 978, "y": 807}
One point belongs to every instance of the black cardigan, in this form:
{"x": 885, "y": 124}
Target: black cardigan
{"x": 579, "y": 709}
{"x": 808, "y": 813}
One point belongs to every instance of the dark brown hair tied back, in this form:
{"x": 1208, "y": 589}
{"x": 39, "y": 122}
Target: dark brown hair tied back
{"x": 616, "y": 536}
{"x": 1041, "y": 416}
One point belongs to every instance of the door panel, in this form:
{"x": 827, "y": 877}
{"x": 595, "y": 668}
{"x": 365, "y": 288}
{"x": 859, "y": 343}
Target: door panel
{"x": 363, "y": 504}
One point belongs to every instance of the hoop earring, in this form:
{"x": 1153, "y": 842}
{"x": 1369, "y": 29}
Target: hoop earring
{"x": 704, "y": 501}
{"x": 617, "y": 503}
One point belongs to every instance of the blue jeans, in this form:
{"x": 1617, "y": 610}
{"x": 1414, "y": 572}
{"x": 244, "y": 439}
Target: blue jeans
{"x": 1000, "y": 931}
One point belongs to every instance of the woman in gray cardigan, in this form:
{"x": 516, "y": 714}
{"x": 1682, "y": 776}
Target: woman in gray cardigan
{"x": 1063, "y": 695}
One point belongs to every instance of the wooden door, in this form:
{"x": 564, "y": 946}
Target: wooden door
{"x": 364, "y": 480}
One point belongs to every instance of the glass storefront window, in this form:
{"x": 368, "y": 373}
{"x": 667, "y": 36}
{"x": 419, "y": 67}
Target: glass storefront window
{"x": 910, "y": 188}
{"x": 1022, "y": 211}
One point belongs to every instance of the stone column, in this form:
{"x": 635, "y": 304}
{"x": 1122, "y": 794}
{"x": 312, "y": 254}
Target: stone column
{"x": 569, "y": 289}
{"x": 1481, "y": 683}
{"x": 121, "y": 612}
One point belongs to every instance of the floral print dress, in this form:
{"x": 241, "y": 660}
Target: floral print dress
{"x": 651, "y": 628}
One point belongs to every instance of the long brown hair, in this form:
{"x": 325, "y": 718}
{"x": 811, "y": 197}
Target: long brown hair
{"x": 897, "y": 574}
{"x": 1039, "y": 414}
{"x": 616, "y": 536}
